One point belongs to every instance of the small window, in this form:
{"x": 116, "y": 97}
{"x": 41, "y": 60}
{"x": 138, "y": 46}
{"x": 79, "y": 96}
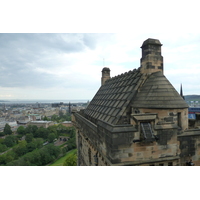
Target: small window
{"x": 179, "y": 119}
{"x": 147, "y": 133}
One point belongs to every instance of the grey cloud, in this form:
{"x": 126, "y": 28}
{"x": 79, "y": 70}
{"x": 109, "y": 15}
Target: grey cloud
{"x": 90, "y": 40}
{"x": 25, "y": 78}
{"x": 47, "y": 42}
{"x": 21, "y": 53}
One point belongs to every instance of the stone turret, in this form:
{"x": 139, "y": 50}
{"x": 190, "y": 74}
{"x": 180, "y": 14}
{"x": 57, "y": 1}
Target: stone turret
{"x": 105, "y": 75}
{"x": 152, "y": 60}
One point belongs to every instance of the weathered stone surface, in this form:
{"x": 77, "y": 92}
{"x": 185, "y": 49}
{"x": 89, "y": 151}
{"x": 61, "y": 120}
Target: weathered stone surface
{"x": 128, "y": 150}
{"x": 129, "y": 109}
{"x": 157, "y": 92}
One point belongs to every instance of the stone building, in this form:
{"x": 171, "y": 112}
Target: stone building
{"x": 44, "y": 124}
{"x": 67, "y": 123}
{"x": 136, "y": 118}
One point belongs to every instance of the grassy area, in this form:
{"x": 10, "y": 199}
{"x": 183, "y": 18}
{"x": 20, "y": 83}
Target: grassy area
{"x": 61, "y": 160}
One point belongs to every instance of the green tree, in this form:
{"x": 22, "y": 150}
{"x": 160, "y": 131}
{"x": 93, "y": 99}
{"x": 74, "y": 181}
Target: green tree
{"x": 35, "y": 158}
{"x": 61, "y": 117}
{"x": 67, "y": 117}
{"x": 42, "y": 132}
{"x": 51, "y": 137}
{"x": 53, "y": 129}
{"x": 64, "y": 150}
{"x": 21, "y": 130}
{"x": 71, "y": 131}
{"x": 54, "y": 118}
{"x": 71, "y": 143}
{"x": 10, "y": 141}
{"x": 39, "y": 142}
{"x": 20, "y": 162}
{"x": 71, "y": 160}
{"x": 21, "y": 148}
{"x": 29, "y": 137}
{"x": 31, "y": 129}
{"x": 9, "y": 156}
{"x": 7, "y": 129}
{"x": 45, "y": 118}
{"x": 53, "y": 150}
{"x": 28, "y": 129}
{"x": 1, "y": 141}
{"x": 2, "y": 159}
{"x": 31, "y": 146}
{"x": 2, "y": 134}
{"x": 3, "y": 147}
{"x": 45, "y": 156}
{"x": 61, "y": 129}
{"x": 34, "y": 129}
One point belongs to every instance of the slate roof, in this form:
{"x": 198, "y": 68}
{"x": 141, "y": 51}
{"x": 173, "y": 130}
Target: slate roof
{"x": 121, "y": 92}
{"x": 158, "y": 92}
{"x": 113, "y": 98}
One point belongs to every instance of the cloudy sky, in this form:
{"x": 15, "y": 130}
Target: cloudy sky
{"x": 36, "y": 64}
{"x": 68, "y": 66}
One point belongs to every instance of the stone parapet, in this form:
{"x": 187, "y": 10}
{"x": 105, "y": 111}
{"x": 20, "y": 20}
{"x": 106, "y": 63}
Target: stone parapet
{"x": 148, "y": 162}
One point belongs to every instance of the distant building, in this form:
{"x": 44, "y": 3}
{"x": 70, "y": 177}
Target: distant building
{"x": 22, "y": 122}
{"x": 44, "y": 124}
{"x": 13, "y": 125}
{"x": 56, "y": 105}
{"x": 194, "y": 117}
{"x": 35, "y": 117}
{"x": 67, "y": 123}
{"x": 137, "y": 118}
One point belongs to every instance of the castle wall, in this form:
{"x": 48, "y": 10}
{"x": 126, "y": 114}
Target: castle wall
{"x": 123, "y": 150}
{"x": 190, "y": 147}
{"x": 163, "y": 151}
{"x": 91, "y": 145}
{"x": 105, "y": 144}
{"x": 113, "y": 145}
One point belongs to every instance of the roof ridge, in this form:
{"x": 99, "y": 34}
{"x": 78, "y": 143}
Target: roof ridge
{"x": 125, "y": 73}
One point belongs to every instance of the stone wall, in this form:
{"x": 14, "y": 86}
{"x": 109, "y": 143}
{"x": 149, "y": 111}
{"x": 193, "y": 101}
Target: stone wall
{"x": 106, "y": 144}
{"x": 113, "y": 136}
{"x": 190, "y": 147}
{"x": 166, "y": 116}
{"x": 91, "y": 147}
{"x": 164, "y": 150}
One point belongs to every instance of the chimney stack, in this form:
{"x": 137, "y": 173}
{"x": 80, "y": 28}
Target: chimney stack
{"x": 152, "y": 60}
{"x": 105, "y": 75}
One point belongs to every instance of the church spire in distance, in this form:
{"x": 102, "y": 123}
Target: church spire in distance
{"x": 181, "y": 92}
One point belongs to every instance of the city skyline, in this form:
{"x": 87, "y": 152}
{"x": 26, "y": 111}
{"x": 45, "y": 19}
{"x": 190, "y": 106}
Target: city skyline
{"x": 68, "y": 66}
